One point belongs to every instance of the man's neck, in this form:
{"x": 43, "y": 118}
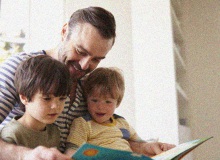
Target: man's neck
{"x": 73, "y": 92}
{"x": 53, "y": 53}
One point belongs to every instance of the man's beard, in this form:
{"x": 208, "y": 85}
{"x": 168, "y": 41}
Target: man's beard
{"x": 74, "y": 67}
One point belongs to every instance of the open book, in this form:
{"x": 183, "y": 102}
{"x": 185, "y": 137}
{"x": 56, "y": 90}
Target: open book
{"x": 92, "y": 152}
{"x": 181, "y": 150}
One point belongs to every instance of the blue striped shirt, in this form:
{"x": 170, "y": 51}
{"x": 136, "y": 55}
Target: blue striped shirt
{"x": 9, "y": 98}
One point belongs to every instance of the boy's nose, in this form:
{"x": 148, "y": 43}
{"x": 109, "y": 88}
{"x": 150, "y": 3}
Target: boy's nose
{"x": 99, "y": 106}
{"x": 55, "y": 105}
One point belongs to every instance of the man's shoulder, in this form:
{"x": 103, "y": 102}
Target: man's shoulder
{"x": 19, "y": 57}
{"x": 24, "y": 55}
{"x": 87, "y": 117}
{"x": 116, "y": 116}
{"x": 120, "y": 120}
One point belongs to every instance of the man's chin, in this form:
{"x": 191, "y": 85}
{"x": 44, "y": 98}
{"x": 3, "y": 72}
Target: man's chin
{"x": 77, "y": 77}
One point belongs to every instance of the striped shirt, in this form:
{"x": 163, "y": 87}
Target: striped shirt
{"x": 9, "y": 98}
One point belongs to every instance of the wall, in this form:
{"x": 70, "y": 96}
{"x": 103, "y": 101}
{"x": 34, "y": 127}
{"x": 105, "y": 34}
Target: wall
{"x": 46, "y": 21}
{"x": 155, "y": 93}
{"x": 202, "y": 36}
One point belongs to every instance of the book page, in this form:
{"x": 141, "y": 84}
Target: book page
{"x": 180, "y": 150}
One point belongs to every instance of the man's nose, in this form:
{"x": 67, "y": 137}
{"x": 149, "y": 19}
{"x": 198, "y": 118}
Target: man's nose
{"x": 85, "y": 62}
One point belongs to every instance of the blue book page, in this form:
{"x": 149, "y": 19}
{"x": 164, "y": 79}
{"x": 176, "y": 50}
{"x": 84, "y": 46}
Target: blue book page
{"x": 92, "y": 152}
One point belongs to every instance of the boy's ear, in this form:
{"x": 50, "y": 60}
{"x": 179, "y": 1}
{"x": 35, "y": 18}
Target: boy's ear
{"x": 23, "y": 99}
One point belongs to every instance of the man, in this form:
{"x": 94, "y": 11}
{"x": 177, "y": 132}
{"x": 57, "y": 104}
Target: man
{"x": 86, "y": 39}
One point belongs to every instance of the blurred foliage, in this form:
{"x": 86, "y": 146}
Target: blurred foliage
{"x": 9, "y": 48}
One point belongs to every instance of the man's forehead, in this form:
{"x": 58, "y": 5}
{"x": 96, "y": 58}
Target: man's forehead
{"x": 87, "y": 38}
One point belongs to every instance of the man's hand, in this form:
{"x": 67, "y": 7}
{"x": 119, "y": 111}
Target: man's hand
{"x": 14, "y": 152}
{"x": 154, "y": 148}
{"x": 43, "y": 153}
{"x": 150, "y": 149}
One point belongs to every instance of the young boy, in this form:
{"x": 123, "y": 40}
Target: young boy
{"x": 43, "y": 84}
{"x": 104, "y": 90}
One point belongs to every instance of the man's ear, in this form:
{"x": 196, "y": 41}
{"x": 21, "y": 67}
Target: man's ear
{"x": 64, "y": 31}
{"x": 23, "y": 99}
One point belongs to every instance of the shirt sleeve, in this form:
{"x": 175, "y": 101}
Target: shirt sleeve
{"x": 133, "y": 134}
{"x": 79, "y": 132}
{"x": 7, "y": 134}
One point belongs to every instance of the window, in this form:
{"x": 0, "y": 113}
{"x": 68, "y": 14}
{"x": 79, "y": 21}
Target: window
{"x": 13, "y": 27}
{"x": 29, "y": 25}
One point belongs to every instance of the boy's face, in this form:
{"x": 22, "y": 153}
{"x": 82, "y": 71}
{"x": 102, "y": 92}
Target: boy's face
{"x": 43, "y": 109}
{"x": 101, "y": 107}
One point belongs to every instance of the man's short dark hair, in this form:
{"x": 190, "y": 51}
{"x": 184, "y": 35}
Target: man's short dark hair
{"x": 98, "y": 17}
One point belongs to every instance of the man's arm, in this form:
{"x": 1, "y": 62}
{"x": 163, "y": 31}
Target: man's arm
{"x": 70, "y": 152}
{"x": 13, "y": 152}
{"x": 8, "y": 95}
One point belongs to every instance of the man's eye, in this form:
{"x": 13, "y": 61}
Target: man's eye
{"x": 80, "y": 52}
{"x": 77, "y": 50}
{"x": 96, "y": 60}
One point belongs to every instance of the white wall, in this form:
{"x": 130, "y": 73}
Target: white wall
{"x": 155, "y": 94}
{"x": 46, "y": 22}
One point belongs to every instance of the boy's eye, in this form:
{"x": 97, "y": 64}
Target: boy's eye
{"x": 46, "y": 98}
{"x": 63, "y": 98}
{"x": 94, "y": 100}
{"x": 108, "y": 101}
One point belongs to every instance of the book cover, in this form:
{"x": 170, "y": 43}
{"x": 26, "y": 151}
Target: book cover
{"x": 93, "y": 152}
